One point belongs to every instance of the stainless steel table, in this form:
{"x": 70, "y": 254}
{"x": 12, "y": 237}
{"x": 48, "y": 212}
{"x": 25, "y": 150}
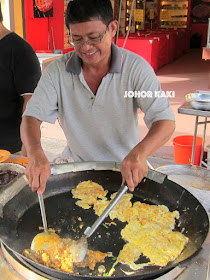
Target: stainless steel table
{"x": 187, "y": 109}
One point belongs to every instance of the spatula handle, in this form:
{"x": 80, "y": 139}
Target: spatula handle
{"x": 90, "y": 230}
{"x": 43, "y": 213}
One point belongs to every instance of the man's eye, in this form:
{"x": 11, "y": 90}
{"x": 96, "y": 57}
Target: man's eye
{"x": 77, "y": 40}
{"x": 94, "y": 38}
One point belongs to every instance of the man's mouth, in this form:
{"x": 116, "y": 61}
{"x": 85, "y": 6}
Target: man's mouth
{"x": 89, "y": 54}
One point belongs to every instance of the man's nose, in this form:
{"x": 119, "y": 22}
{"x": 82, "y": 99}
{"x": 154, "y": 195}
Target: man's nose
{"x": 86, "y": 45}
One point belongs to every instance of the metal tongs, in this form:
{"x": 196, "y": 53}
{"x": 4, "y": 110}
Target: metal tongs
{"x": 43, "y": 213}
{"x": 80, "y": 247}
{"x": 44, "y": 221}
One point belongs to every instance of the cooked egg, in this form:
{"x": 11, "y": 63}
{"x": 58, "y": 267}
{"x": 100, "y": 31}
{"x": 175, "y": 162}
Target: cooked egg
{"x": 88, "y": 192}
{"x": 149, "y": 230}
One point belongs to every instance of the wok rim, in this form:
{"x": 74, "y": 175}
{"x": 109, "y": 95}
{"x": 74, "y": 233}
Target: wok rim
{"x": 166, "y": 268}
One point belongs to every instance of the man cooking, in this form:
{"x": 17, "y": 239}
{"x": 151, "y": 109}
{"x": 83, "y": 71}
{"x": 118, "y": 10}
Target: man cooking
{"x": 85, "y": 90}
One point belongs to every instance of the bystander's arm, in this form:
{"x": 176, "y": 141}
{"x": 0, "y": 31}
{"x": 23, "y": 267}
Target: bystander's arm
{"x": 26, "y": 98}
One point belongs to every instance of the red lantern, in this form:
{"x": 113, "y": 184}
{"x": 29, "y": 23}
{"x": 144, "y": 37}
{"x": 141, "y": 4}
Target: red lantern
{"x": 44, "y": 5}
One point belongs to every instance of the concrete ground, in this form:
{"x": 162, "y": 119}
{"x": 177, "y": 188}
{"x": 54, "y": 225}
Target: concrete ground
{"x": 186, "y": 74}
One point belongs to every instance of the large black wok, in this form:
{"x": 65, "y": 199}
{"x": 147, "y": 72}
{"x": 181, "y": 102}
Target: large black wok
{"x": 22, "y": 219}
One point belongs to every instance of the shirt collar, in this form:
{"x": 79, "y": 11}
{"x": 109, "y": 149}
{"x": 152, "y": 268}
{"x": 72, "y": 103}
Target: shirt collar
{"x": 74, "y": 63}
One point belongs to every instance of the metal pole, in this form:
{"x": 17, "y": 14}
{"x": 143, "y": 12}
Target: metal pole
{"x": 194, "y": 140}
{"x": 204, "y": 136}
{"x": 119, "y": 5}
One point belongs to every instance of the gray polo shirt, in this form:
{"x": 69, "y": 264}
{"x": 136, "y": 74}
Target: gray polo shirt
{"x": 101, "y": 127}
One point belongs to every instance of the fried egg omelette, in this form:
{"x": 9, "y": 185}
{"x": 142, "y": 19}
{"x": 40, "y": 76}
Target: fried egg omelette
{"x": 149, "y": 229}
{"x": 55, "y": 252}
{"x": 88, "y": 192}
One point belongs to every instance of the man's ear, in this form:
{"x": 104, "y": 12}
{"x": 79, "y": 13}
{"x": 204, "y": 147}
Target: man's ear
{"x": 113, "y": 28}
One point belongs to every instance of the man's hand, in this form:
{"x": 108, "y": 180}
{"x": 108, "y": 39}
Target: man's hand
{"x": 38, "y": 168}
{"x": 38, "y": 171}
{"x": 133, "y": 170}
{"x": 134, "y": 166}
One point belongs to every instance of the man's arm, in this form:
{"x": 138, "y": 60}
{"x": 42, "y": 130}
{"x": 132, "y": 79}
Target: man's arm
{"x": 38, "y": 168}
{"x": 26, "y": 98}
{"x": 134, "y": 166}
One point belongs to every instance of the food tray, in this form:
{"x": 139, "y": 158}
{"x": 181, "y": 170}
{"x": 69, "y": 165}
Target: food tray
{"x": 199, "y": 100}
{"x": 12, "y": 167}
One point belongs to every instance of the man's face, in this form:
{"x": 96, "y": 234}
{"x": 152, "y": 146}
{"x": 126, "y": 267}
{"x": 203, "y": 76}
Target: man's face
{"x": 93, "y": 40}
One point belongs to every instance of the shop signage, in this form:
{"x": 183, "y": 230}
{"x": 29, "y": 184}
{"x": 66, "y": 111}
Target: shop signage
{"x": 165, "y": 15}
{"x": 151, "y": 14}
{"x": 139, "y": 15}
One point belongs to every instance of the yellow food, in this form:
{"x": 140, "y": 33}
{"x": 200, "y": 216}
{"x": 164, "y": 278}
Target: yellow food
{"x": 129, "y": 254}
{"x": 158, "y": 243}
{"x": 123, "y": 209}
{"x": 59, "y": 258}
{"x": 92, "y": 258}
{"x": 149, "y": 229}
{"x": 112, "y": 223}
{"x": 88, "y": 192}
{"x": 145, "y": 213}
{"x": 53, "y": 251}
{"x": 99, "y": 206}
{"x": 48, "y": 239}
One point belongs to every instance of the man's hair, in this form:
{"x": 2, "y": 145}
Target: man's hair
{"x": 85, "y": 10}
{"x": 1, "y": 16}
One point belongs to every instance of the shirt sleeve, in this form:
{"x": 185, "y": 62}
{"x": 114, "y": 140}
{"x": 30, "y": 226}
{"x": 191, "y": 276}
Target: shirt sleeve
{"x": 26, "y": 67}
{"x": 151, "y": 101}
{"x": 43, "y": 104}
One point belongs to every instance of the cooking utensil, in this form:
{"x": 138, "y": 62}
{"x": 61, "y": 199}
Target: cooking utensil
{"x": 149, "y": 165}
{"x": 80, "y": 246}
{"x": 11, "y": 189}
{"x": 35, "y": 244}
{"x": 43, "y": 213}
{"x": 18, "y": 228}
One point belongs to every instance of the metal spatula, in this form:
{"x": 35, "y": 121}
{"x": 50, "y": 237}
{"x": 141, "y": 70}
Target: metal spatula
{"x": 80, "y": 247}
{"x": 34, "y": 245}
